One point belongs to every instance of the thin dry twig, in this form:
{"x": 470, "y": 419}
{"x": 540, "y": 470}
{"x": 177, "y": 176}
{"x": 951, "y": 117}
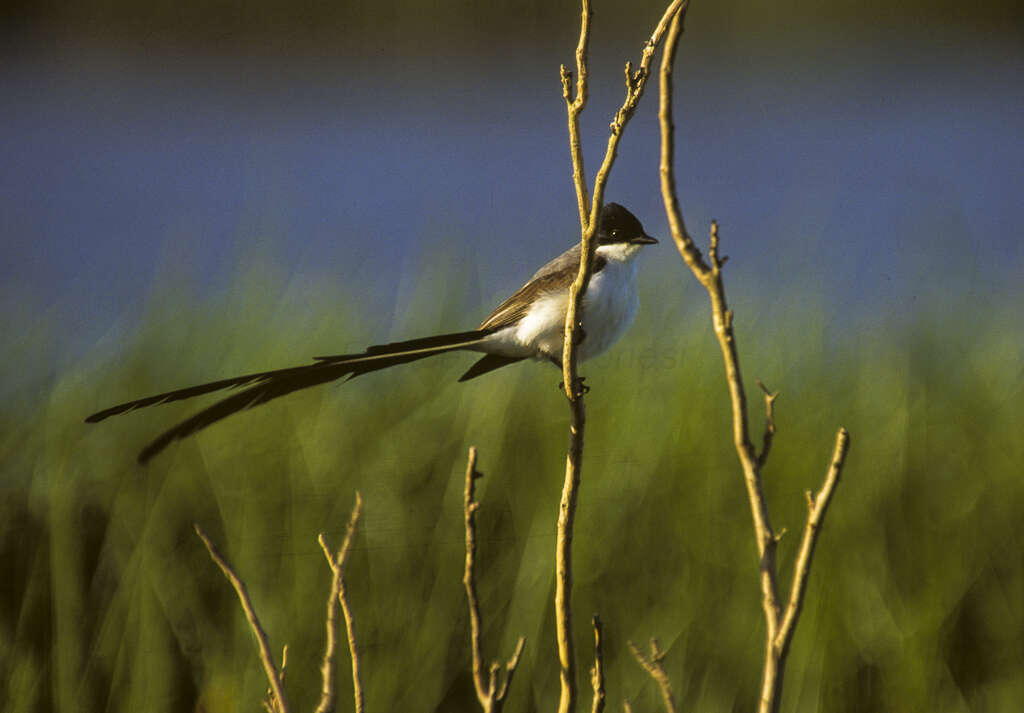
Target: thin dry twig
{"x": 338, "y": 594}
{"x": 654, "y": 667}
{"x": 711, "y": 277}
{"x": 597, "y": 670}
{"x": 574, "y": 105}
{"x": 635, "y": 83}
{"x": 268, "y": 702}
{"x": 817, "y": 507}
{"x": 279, "y": 700}
{"x": 779, "y": 624}
{"x": 490, "y": 694}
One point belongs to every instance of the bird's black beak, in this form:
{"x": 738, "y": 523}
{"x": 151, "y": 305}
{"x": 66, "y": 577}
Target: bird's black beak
{"x": 644, "y": 240}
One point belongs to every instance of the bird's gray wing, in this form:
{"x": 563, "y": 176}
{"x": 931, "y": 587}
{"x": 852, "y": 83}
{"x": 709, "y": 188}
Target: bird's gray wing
{"x": 555, "y": 276}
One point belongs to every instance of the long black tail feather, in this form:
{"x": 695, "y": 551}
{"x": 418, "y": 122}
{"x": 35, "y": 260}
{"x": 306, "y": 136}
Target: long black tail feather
{"x": 312, "y": 375}
{"x": 265, "y": 386}
{"x": 427, "y": 344}
{"x": 187, "y": 393}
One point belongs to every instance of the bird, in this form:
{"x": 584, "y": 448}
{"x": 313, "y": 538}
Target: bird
{"x": 529, "y": 324}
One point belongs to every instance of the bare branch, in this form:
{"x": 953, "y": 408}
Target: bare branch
{"x": 279, "y": 701}
{"x": 779, "y": 625}
{"x": 574, "y": 107}
{"x": 563, "y": 562}
{"x": 510, "y": 670}
{"x": 338, "y": 594}
{"x": 654, "y": 667}
{"x": 635, "y": 83}
{"x": 687, "y": 248}
{"x": 711, "y": 277}
{"x": 469, "y": 579}
{"x": 327, "y": 665}
{"x": 346, "y": 609}
{"x": 597, "y": 670}
{"x": 489, "y": 693}
{"x": 817, "y": 507}
{"x": 765, "y": 536}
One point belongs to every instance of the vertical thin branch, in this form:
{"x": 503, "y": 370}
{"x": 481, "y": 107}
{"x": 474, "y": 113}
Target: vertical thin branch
{"x": 711, "y": 277}
{"x": 327, "y": 664}
{"x": 666, "y": 171}
{"x": 567, "y": 503}
{"x": 574, "y": 106}
{"x": 338, "y": 594}
{"x": 280, "y": 699}
{"x": 635, "y": 83}
{"x": 346, "y": 610}
{"x": 597, "y": 670}
{"x": 779, "y": 625}
{"x": 654, "y": 667}
{"x": 470, "y": 507}
{"x": 488, "y": 692}
{"x": 563, "y": 562}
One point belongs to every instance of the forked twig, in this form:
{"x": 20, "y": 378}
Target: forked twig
{"x": 589, "y": 215}
{"x": 780, "y": 623}
{"x": 338, "y": 594}
{"x": 652, "y": 664}
{"x": 490, "y": 694}
{"x": 817, "y": 506}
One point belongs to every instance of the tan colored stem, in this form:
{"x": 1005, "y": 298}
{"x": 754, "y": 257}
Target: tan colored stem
{"x": 779, "y": 624}
{"x": 488, "y": 692}
{"x": 339, "y": 594}
{"x": 656, "y": 670}
{"x": 817, "y": 507}
{"x": 280, "y": 699}
{"x": 635, "y": 83}
{"x": 574, "y": 106}
{"x": 597, "y": 672}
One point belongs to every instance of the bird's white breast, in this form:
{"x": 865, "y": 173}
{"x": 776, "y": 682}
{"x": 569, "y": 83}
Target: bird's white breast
{"x": 609, "y": 307}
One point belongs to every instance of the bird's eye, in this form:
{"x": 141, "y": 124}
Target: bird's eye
{"x": 615, "y": 233}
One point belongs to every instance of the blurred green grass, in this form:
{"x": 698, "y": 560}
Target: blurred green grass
{"x": 916, "y": 601}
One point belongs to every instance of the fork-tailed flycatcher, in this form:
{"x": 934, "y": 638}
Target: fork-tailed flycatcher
{"x": 529, "y": 324}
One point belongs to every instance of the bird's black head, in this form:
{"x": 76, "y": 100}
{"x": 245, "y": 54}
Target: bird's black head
{"x": 619, "y": 226}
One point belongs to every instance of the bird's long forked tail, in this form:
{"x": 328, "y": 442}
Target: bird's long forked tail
{"x": 265, "y": 386}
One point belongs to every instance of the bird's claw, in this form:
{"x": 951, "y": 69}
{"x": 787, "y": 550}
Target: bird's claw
{"x": 580, "y": 387}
